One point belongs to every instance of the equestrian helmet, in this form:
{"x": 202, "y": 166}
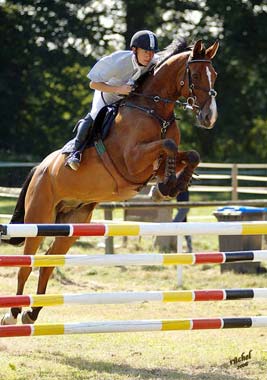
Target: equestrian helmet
{"x": 144, "y": 39}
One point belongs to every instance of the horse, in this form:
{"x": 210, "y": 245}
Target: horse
{"x": 143, "y": 142}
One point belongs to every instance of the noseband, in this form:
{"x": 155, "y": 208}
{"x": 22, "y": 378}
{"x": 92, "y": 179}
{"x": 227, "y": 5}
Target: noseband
{"x": 192, "y": 99}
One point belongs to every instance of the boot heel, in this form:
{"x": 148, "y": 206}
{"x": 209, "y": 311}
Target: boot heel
{"x": 74, "y": 161}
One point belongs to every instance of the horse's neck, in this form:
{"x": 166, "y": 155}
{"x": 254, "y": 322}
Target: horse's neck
{"x": 166, "y": 79}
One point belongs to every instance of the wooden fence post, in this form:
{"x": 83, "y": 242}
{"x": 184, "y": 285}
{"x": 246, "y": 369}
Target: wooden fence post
{"x": 234, "y": 173}
{"x": 109, "y": 246}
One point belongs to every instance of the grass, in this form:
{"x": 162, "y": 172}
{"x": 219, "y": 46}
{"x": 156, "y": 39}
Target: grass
{"x": 184, "y": 355}
{"x": 7, "y": 205}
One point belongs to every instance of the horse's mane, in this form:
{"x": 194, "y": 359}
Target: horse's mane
{"x": 178, "y": 45}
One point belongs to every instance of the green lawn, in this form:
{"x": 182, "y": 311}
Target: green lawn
{"x": 7, "y": 205}
{"x": 184, "y": 355}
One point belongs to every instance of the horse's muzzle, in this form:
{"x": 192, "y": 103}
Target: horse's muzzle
{"x": 207, "y": 116}
{"x": 204, "y": 122}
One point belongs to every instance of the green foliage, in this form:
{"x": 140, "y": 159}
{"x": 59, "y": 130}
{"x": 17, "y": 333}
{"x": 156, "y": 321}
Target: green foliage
{"x": 43, "y": 83}
{"x": 241, "y": 63}
{"x": 47, "y": 48}
{"x": 258, "y": 137}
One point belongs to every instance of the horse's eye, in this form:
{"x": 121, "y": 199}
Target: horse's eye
{"x": 195, "y": 76}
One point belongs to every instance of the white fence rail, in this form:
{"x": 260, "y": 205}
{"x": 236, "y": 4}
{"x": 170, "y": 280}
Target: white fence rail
{"x": 228, "y": 178}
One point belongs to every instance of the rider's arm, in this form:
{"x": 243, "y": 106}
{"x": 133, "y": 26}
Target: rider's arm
{"x": 106, "y": 75}
{"x": 104, "y": 87}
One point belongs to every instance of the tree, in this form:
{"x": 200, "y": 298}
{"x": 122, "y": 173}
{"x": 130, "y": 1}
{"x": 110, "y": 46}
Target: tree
{"x": 47, "y": 48}
{"x": 44, "y": 61}
{"x": 242, "y": 96}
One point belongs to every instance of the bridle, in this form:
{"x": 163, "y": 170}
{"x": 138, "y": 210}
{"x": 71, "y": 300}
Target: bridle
{"x": 191, "y": 102}
{"x": 192, "y": 98}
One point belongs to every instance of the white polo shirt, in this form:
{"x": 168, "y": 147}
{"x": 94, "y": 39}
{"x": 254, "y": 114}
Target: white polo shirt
{"x": 115, "y": 69}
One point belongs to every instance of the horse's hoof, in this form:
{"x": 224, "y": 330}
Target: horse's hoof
{"x": 26, "y": 319}
{"x": 193, "y": 157}
{"x": 156, "y": 195}
{"x": 8, "y": 319}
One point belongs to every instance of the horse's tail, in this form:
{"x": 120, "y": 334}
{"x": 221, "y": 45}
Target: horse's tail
{"x": 19, "y": 212}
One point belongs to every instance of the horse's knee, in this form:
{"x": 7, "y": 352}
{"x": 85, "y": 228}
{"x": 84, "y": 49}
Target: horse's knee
{"x": 193, "y": 157}
{"x": 170, "y": 146}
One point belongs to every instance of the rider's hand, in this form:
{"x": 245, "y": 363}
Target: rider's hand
{"x": 125, "y": 89}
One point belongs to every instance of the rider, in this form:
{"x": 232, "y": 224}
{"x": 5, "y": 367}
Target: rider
{"x": 113, "y": 77}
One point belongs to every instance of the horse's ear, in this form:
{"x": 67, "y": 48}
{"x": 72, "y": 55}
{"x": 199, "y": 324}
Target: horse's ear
{"x": 212, "y": 50}
{"x": 198, "y": 49}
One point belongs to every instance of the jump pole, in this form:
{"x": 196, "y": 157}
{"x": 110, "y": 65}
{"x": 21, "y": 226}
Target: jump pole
{"x": 132, "y": 297}
{"x": 135, "y": 229}
{"x": 132, "y": 259}
{"x": 133, "y": 326}
{"x": 179, "y": 248}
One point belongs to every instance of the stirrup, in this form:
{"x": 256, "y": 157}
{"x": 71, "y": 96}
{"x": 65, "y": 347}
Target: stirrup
{"x": 74, "y": 160}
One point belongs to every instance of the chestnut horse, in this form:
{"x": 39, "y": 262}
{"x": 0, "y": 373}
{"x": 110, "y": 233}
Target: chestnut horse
{"x": 142, "y": 143}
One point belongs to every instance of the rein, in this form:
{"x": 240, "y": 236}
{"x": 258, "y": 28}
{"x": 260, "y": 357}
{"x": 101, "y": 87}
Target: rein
{"x": 164, "y": 123}
{"x": 157, "y": 98}
{"x": 189, "y": 104}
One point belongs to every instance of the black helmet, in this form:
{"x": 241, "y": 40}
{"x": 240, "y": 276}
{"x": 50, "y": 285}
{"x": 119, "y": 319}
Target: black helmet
{"x": 145, "y": 39}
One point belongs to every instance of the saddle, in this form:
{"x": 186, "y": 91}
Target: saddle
{"x": 104, "y": 122}
{"x": 100, "y": 128}
{"x": 100, "y": 132}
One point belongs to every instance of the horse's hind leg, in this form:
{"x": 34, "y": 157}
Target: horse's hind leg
{"x": 31, "y": 246}
{"x": 60, "y": 246}
{"x": 39, "y": 208}
{"x": 44, "y": 215}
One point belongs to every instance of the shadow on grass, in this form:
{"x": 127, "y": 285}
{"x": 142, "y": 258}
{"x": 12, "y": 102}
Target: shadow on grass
{"x": 143, "y": 373}
{"x": 84, "y": 244}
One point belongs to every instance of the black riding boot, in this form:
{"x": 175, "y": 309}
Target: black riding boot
{"x": 84, "y": 129}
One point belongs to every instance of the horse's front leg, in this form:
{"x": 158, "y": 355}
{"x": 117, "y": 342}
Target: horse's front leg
{"x": 166, "y": 181}
{"x": 141, "y": 157}
{"x": 185, "y": 164}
